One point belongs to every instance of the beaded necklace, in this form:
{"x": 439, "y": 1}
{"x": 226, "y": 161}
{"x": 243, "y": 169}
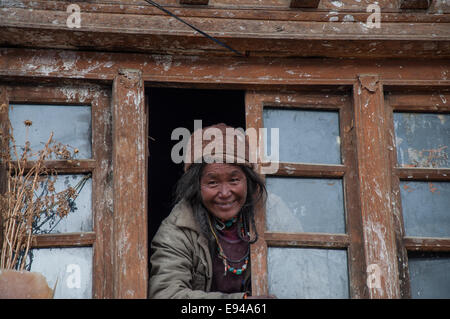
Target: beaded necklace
{"x": 225, "y": 259}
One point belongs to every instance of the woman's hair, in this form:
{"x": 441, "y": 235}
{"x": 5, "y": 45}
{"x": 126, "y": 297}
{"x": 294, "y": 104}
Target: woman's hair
{"x": 188, "y": 189}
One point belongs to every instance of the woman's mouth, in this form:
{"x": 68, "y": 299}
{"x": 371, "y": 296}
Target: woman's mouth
{"x": 225, "y": 205}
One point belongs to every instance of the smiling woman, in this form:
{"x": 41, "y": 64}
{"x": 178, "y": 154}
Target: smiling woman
{"x": 202, "y": 250}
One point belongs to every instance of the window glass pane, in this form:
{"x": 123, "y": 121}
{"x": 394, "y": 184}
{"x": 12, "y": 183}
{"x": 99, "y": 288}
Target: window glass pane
{"x": 422, "y": 139}
{"x": 305, "y": 205}
{"x": 305, "y": 136}
{"x": 307, "y": 273}
{"x": 70, "y": 125}
{"x": 429, "y": 275}
{"x": 71, "y": 266}
{"x": 426, "y": 208}
{"x": 79, "y": 218}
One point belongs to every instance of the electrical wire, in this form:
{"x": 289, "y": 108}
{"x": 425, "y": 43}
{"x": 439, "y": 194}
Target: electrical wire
{"x": 193, "y": 27}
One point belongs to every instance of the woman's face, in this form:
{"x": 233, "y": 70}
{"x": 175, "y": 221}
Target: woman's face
{"x": 223, "y": 189}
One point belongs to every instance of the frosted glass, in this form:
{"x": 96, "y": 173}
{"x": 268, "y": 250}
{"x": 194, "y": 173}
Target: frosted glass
{"x": 79, "y": 220}
{"x": 426, "y": 208}
{"x": 70, "y": 125}
{"x": 422, "y": 139}
{"x": 308, "y": 273}
{"x": 429, "y": 275}
{"x": 305, "y": 136}
{"x": 70, "y": 267}
{"x": 305, "y": 205}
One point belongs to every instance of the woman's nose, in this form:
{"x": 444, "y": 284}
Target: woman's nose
{"x": 224, "y": 190}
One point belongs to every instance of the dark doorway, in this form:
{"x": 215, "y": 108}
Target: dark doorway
{"x": 172, "y": 108}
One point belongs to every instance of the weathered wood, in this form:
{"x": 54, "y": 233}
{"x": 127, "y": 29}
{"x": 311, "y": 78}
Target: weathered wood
{"x": 396, "y": 202}
{"x": 260, "y": 11}
{"x": 318, "y": 240}
{"x": 435, "y": 102}
{"x": 258, "y": 253}
{"x": 375, "y": 185}
{"x": 65, "y": 166}
{"x": 215, "y": 72}
{"x": 415, "y": 4}
{"x": 304, "y": 3}
{"x": 130, "y": 184}
{"x": 195, "y": 2}
{"x": 354, "y": 227}
{"x": 63, "y": 240}
{"x": 311, "y": 170}
{"x": 160, "y": 33}
{"x": 102, "y": 196}
{"x": 427, "y": 174}
{"x": 427, "y": 244}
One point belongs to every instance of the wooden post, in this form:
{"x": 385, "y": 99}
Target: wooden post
{"x": 130, "y": 179}
{"x": 375, "y": 189}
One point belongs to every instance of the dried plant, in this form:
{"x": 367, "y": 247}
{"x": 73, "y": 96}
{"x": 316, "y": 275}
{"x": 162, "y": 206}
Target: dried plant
{"x": 31, "y": 201}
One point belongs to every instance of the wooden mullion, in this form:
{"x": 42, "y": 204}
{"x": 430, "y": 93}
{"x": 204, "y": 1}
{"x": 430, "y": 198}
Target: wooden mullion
{"x": 66, "y": 166}
{"x": 396, "y": 203}
{"x": 355, "y": 251}
{"x": 427, "y": 244}
{"x": 374, "y": 174}
{"x": 258, "y": 253}
{"x": 426, "y": 174}
{"x": 318, "y": 240}
{"x": 80, "y": 239}
{"x": 311, "y": 170}
{"x": 102, "y": 197}
{"x": 130, "y": 271}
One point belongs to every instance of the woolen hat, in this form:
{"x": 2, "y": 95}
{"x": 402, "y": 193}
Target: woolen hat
{"x": 218, "y": 143}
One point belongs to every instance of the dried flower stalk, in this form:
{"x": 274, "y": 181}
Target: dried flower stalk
{"x": 23, "y": 211}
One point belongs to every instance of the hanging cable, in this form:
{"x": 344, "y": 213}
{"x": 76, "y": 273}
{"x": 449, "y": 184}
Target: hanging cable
{"x": 193, "y": 27}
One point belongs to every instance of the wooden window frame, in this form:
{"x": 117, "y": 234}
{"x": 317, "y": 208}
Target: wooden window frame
{"x": 421, "y": 102}
{"x": 352, "y": 240}
{"x": 100, "y": 166}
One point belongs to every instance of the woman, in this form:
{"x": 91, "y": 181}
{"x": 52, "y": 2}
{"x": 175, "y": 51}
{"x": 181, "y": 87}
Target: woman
{"x": 202, "y": 250}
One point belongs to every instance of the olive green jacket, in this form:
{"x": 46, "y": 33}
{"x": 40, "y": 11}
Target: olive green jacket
{"x": 181, "y": 259}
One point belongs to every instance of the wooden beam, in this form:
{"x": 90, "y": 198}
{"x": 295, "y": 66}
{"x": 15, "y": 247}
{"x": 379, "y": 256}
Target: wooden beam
{"x": 415, "y": 4}
{"x": 304, "y": 3}
{"x": 63, "y": 240}
{"x": 311, "y": 170}
{"x": 375, "y": 186}
{"x": 236, "y": 72}
{"x": 427, "y": 244}
{"x": 195, "y": 2}
{"x": 130, "y": 198}
{"x": 318, "y": 240}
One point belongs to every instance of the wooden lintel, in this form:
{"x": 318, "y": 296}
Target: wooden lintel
{"x": 415, "y": 4}
{"x": 304, "y": 3}
{"x": 196, "y": 2}
{"x": 129, "y": 173}
{"x": 375, "y": 185}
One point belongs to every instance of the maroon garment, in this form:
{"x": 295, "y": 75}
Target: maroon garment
{"x": 234, "y": 248}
